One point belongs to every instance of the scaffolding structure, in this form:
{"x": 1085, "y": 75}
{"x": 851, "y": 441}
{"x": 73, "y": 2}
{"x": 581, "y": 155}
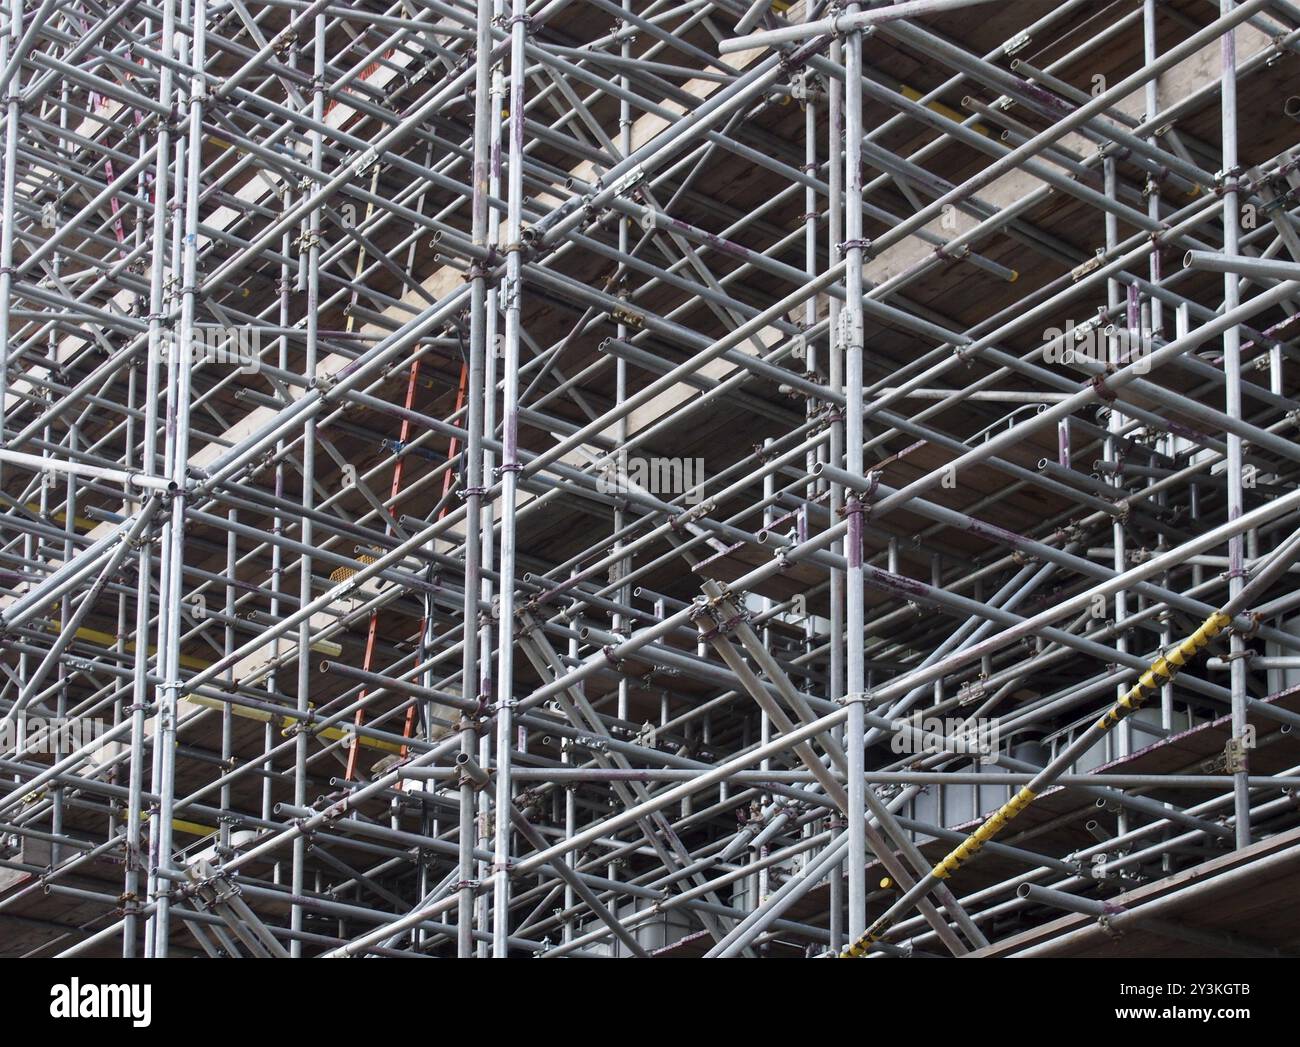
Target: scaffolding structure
{"x": 649, "y": 477}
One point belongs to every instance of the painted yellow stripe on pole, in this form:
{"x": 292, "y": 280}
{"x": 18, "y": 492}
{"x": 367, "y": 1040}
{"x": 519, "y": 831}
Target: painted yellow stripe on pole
{"x": 913, "y": 95}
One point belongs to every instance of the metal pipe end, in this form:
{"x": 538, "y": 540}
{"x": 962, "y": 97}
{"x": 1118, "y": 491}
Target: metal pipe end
{"x": 1292, "y": 107}
{"x": 1024, "y": 890}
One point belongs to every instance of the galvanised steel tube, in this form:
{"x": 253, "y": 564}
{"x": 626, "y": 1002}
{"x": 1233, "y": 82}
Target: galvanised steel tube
{"x": 134, "y": 845}
{"x": 312, "y": 14}
{"x": 109, "y": 192}
{"x": 834, "y": 451}
{"x": 11, "y": 54}
{"x": 512, "y": 293}
{"x": 490, "y": 578}
{"x": 177, "y": 454}
{"x": 579, "y": 712}
{"x": 936, "y": 777}
{"x": 1115, "y": 423}
{"x": 324, "y": 392}
{"x": 310, "y": 362}
{"x": 1239, "y": 265}
{"x": 579, "y": 886}
{"x": 1053, "y": 296}
{"x": 1232, "y": 405}
{"x": 851, "y": 337}
{"x": 70, "y": 468}
{"x": 22, "y": 48}
{"x": 976, "y": 347}
{"x": 845, "y": 24}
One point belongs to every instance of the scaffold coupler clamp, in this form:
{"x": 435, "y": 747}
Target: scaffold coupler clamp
{"x": 1099, "y": 386}
{"x": 1106, "y": 921}
{"x": 611, "y": 655}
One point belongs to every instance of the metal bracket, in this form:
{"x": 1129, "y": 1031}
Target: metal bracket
{"x": 629, "y": 318}
{"x": 970, "y": 691}
{"x": 1084, "y": 268}
{"x": 628, "y": 180}
{"x": 1234, "y": 756}
{"x": 365, "y": 161}
{"x": 1017, "y": 43}
{"x": 1104, "y": 921}
{"x": 851, "y": 330}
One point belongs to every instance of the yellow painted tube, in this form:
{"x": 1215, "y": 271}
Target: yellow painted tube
{"x": 1164, "y": 669}
{"x": 967, "y": 849}
{"x": 1158, "y": 673}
